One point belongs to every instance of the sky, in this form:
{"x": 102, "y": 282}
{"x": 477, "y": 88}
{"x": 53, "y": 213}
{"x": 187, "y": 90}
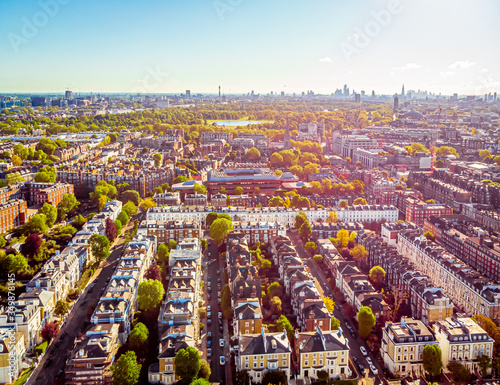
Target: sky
{"x": 167, "y": 46}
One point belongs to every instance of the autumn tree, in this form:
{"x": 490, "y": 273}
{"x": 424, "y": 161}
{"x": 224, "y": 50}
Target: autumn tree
{"x": 377, "y": 274}
{"x": 111, "y": 230}
{"x": 31, "y": 245}
{"x": 49, "y": 331}
{"x": 252, "y": 154}
{"x": 359, "y": 254}
{"x": 153, "y": 272}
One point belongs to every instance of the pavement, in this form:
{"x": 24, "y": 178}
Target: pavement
{"x": 321, "y": 283}
{"x": 77, "y": 320}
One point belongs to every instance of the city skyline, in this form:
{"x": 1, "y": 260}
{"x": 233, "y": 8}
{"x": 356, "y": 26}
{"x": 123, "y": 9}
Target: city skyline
{"x": 158, "y": 48}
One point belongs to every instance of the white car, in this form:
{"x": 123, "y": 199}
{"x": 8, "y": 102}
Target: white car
{"x": 363, "y": 351}
{"x": 374, "y": 369}
{"x": 369, "y": 360}
{"x": 209, "y": 352}
{"x": 221, "y": 342}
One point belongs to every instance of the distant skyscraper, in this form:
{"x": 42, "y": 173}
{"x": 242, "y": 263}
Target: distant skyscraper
{"x": 357, "y": 98}
{"x": 188, "y": 94}
{"x": 38, "y": 101}
{"x": 455, "y": 96}
{"x": 346, "y": 90}
{"x": 396, "y": 103}
{"x": 68, "y": 94}
{"x": 303, "y": 93}
{"x": 282, "y": 94}
{"x": 373, "y": 93}
{"x": 495, "y": 97}
{"x": 403, "y": 90}
{"x": 252, "y": 93}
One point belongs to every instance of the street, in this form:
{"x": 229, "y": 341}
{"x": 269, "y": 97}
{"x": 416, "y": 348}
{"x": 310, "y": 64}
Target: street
{"x": 212, "y": 266}
{"x": 78, "y": 319}
{"x": 355, "y": 342}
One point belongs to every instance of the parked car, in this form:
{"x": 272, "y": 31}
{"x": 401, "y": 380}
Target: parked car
{"x": 222, "y": 360}
{"x": 209, "y": 315}
{"x": 209, "y": 352}
{"x": 220, "y": 315}
{"x": 374, "y": 369}
{"x": 221, "y": 342}
{"x": 363, "y": 351}
{"x": 209, "y": 322}
{"x": 209, "y": 308}
{"x": 209, "y": 343}
{"x": 209, "y": 335}
{"x": 369, "y": 360}
{"x": 209, "y": 296}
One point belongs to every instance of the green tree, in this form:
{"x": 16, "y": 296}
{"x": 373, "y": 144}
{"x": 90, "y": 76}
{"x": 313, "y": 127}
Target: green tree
{"x": 99, "y": 246}
{"x": 130, "y": 208}
{"x": 162, "y": 253}
{"x": 305, "y": 231}
{"x": 274, "y": 289}
{"x": 300, "y": 218}
{"x": 334, "y": 324}
{"x": 119, "y": 226}
{"x": 13, "y": 263}
{"x": 310, "y": 246}
{"x": 484, "y": 363}
{"x": 123, "y": 218}
{"x": 50, "y": 213}
{"x": 150, "y": 294}
{"x": 126, "y": 371}
{"x": 225, "y": 302}
{"x": 131, "y": 195}
{"x": 16, "y": 161}
{"x": 220, "y": 228}
{"x": 79, "y": 220}
{"x": 200, "y": 188}
{"x": 37, "y": 224}
{"x": 157, "y": 159}
{"x": 284, "y": 324}
{"x": 200, "y": 381}
{"x": 205, "y": 370}
{"x": 61, "y": 308}
{"x": 274, "y": 377}
{"x": 432, "y": 359}
{"x": 211, "y": 217}
{"x": 3, "y": 242}
{"x": 187, "y": 364}
{"x": 366, "y": 321}
{"x": 275, "y": 305}
{"x": 67, "y": 205}
{"x": 377, "y": 274}
{"x": 276, "y": 202}
{"x": 276, "y": 160}
{"x": 459, "y": 372}
{"x": 148, "y": 203}
{"x": 322, "y": 375}
{"x": 252, "y": 154}
{"x": 241, "y": 377}
{"x": 14, "y": 178}
{"x": 138, "y": 338}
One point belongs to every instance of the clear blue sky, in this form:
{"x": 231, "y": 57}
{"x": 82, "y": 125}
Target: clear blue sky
{"x": 263, "y": 45}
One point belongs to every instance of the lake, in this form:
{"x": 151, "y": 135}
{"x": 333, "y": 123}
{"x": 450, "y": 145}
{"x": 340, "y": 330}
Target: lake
{"x": 236, "y": 122}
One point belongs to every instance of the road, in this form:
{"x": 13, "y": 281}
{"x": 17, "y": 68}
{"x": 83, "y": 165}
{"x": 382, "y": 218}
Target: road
{"x": 355, "y": 342}
{"x": 78, "y": 319}
{"x": 214, "y": 264}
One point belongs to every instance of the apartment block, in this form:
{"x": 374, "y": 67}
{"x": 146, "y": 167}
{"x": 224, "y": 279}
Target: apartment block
{"x": 12, "y": 214}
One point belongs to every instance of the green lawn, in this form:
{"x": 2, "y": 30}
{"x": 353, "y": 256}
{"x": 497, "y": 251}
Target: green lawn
{"x": 85, "y": 279}
{"x": 24, "y": 376}
{"x": 42, "y": 347}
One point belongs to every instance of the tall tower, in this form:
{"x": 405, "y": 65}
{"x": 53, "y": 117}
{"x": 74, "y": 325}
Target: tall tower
{"x": 219, "y": 92}
{"x": 396, "y": 102}
{"x": 403, "y": 91}
{"x": 287, "y": 142}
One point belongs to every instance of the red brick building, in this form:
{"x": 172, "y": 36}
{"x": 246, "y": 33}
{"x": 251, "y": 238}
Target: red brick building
{"x": 418, "y": 211}
{"x": 51, "y": 193}
{"x": 12, "y": 214}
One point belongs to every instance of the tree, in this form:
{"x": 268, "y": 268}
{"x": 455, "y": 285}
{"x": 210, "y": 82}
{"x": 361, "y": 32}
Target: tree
{"x": 484, "y": 363}
{"x": 205, "y": 370}
{"x": 46, "y": 175}
{"x": 131, "y": 195}
{"x": 284, "y": 324}
{"x": 300, "y": 218}
{"x": 126, "y": 371}
{"x": 31, "y": 245}
{"x": 14, "y": 178}
{"x": 238, "y": 190}
{"x": 200, "y": 381}
{"x": 432, "y": 359}
{"x": 148, "y": 203}
{"x": 377, "y": 274}
{"x": 16, "y": 161}
{"x": 3, "y": 242}
{"x": 49, "y": 331}
{"x": 162, "y": 253}
{"x": 111, "y": 231}
{"x": 366, "y": 321}
{"x": 252, "y": 154}
{"x": 200, "y": 188}
{"x": 61, "y": 308}
{"x": 225, "y": 302}
{"x": 459, "y": 372}
{"x": 79, "y": 220}
{"x": 359, "y": 253}
{"x": 310, "y": 246}
{"x": 318, "y": 258}
{"x": 157, "y": 159}
{"x": 330, "y": 305}
{"x": 274, "y": 289}
{"x": 430, "y": 201}
{"x": 119, "y": 226}
{"x": 150, "y": 294}
{"x": 153, "y": 272}
{"x": 13, "y": 263}
{"x": 138, "y": 338}
{"x": 101, "y": 202}
{"x": 305, "y": 231}
{"x": 359, "y": 201}
{"x": 274, "y": 377}
{"x": 211, "y": 217}
{"x": 332, "y": 218}
{"x": 334, "y": 324}
{"x": 322, "y": 375}
{"x": 241, "y": 378}
{"x": 37, "y": 224}
{"x": 187, "y": 364}
{"x": 343, "y": 237}
{"x": 276, "y": 160}
{"x": 67, "y": 205}
{"x": 429, "y": 235}
{"x": 99, "y": 246}
{"x": 275, "y": 305}
{"x": 50, "y": 213}
{"x": 343, "y": 204}
{"x": 276, "y": 202}
{"x": 123, "y": 218}
{"x": 130, "y": 208}
{"x": 220, "y": 228}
